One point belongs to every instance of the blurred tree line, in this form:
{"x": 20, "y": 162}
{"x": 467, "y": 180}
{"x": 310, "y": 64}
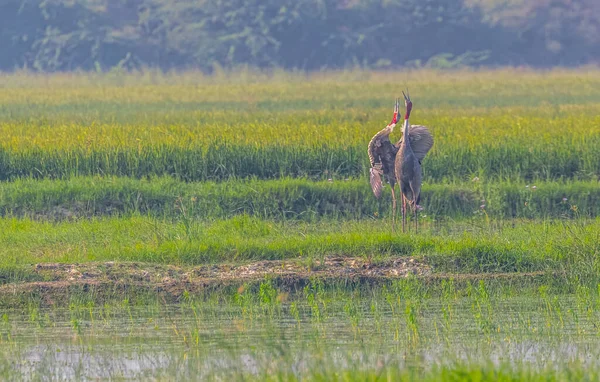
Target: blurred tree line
{"x": 62, "y": 35}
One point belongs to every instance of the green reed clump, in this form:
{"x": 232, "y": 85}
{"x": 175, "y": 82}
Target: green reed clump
{"x": 290, "y": 199}
{"x": 481, "y": 255}
{"x": 221, "y": 161}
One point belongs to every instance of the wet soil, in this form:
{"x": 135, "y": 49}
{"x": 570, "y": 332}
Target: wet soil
{"x": 113, "y": 279}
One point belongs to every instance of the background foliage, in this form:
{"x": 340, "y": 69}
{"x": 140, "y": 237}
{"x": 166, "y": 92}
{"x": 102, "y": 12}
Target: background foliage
{"x": 62, "y": 35}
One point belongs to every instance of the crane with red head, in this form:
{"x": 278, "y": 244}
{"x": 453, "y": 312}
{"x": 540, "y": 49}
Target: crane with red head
{"x": 382, "y": 154}
{"x": 416, "y": 143}
{"x": 396, "y": 162}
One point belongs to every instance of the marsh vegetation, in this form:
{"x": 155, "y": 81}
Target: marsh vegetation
{"x": 178, "y": 225}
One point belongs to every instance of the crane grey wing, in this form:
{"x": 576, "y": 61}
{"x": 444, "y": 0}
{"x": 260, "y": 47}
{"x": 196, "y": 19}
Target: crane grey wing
{"x": 376, "y": 145}
{"x": 421, "y": 140}
{"x": 379, "y": 152}
{"x": 376, "y": 184}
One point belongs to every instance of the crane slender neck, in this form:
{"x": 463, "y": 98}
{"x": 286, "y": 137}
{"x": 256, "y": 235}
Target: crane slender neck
{"x": 405, "y": 128}
{"x": 405, "y": 140}
{"x": 388, "y": 129}
{"x": 392, "y": 124}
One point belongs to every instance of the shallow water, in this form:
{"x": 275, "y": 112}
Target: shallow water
{"x": 224, "y": 340}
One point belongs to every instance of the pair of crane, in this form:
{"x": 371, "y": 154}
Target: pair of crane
{"x": 401, "y": 162}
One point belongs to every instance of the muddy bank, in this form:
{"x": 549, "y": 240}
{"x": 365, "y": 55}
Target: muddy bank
{"x": 115, "y": 280}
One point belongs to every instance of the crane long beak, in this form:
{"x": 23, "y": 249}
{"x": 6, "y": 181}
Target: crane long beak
{"x": 396, "y": 112}
{"x": 408, "y": 104}
{"x": 406, "y": 96}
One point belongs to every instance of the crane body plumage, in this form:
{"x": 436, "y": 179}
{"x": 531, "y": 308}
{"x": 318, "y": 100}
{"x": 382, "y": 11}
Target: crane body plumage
{"x": 400, "y": 162}
{"x": 416, "y": 143}
{"x": 382, "y": 154}
{"x": 408, "y": 172}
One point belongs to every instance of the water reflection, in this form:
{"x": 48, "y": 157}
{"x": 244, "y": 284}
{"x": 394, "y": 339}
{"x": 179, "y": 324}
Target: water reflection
{"x": 222, "y": 340}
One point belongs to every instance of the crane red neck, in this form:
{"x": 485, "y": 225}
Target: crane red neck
{"x": 394, "y": 118}
{"x": 408, "y": 109}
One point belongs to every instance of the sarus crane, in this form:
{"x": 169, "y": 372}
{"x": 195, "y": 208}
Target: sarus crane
{"x": 408, "y": 162}
{"x": 383, "y": 156}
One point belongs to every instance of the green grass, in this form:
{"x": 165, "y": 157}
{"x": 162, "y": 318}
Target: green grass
{"x": 180, "y": 169}
{"x": 290, "y": 199}
{"x": 497, "y": 247}
{"x": 495, "y": 147}
{"x": 499, "y": 125}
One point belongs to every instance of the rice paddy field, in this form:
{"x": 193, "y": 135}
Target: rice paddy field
{"x": 187, "y": 227}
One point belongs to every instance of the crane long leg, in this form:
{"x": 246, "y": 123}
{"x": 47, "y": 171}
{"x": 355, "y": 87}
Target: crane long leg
{"x": 403, "y": 213}
{"x": 393, "y": 210}
{"x": 416, "y": 219}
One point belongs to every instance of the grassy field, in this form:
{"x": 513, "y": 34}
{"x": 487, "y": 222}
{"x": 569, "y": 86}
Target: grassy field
{"x": 148, "y": 220}
{"x": 505, "y": 125}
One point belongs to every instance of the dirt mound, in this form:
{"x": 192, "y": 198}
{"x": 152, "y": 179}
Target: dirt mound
{"x": 330, "y": 268}
{"x": 109, "y": 280}
{"x": 58, "y": 283}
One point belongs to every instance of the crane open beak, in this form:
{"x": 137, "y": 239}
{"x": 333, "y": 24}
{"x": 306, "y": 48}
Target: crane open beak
{"x": 396, "y": 112}
{"x": 406, "y": 97}
{"x": 408, "y": 103}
